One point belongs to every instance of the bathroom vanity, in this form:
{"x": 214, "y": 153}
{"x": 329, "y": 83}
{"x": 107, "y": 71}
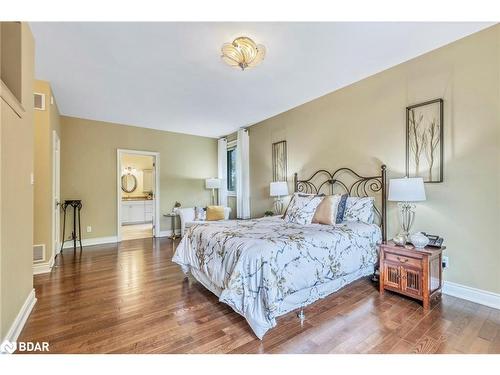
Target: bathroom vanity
{"x": 136, "y": 211}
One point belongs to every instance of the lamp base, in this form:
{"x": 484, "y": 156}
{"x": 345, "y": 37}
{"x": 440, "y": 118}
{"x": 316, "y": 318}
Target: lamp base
{"x": 214, "y": 201}
{"x": 406, "y": 219}
{"x": 278, "y": 206}
{"x": 400, "y": 239}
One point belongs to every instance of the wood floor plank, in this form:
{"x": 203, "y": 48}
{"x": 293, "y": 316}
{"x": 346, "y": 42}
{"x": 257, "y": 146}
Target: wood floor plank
{"x": 131, "y": 298}
{"x": 401, "y": 346}
{"x": 426, "y": 345}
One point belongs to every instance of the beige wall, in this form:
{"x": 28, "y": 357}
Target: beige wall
{"x": 16, "y": 191}
{"x": 46, "y": 122}
{"x": 88, "y": 161}
{"x": 362, "y": 126}
{"x": 10, "y": 62}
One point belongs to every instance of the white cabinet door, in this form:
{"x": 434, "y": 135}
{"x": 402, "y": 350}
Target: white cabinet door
{"x": 148, "y": 211}
{"x": 133, "y": 212}
{"x": 136, "y": 213}
{"x": 125, "y": 213}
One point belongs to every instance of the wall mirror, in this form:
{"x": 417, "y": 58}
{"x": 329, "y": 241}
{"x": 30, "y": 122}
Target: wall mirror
{"x": 129, "y": 183}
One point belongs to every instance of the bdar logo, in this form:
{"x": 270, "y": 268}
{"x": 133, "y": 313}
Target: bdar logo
{"x": 8, "y": 347}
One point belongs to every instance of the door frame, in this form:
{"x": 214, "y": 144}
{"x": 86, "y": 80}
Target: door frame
{"x": 56, "y": 205}
{"x": 156, "y": 218}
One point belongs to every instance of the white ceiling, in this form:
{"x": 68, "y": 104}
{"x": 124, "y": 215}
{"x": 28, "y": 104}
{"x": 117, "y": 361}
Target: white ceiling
{"x": 170, "y": 76}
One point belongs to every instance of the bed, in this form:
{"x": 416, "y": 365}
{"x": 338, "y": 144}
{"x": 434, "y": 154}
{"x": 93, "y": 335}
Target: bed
{"x": 264, "y": 268}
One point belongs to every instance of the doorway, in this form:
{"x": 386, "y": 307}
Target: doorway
{"x": 138, "y": 194}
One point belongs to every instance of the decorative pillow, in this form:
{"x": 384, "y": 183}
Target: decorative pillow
{"x": 360, "y": 209}
{"x": 302, "y": 208}
{"x": 302, "y": 195}
{"x": 200, "y": 214}
{"x": 326, "y": 212}
{"x": 341, "y": 208}
{"x": 215, "y": 213}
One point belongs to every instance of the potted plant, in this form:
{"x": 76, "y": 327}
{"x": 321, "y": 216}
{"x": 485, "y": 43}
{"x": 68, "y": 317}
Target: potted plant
{"x": 177, "y": 205}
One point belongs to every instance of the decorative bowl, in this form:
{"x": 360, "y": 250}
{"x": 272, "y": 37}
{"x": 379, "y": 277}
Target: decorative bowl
{"x": 400, "y": 240}
{"x": 419, "y": 240}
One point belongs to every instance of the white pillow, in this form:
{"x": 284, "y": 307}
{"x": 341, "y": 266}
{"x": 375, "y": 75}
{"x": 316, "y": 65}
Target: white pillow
{"x": 360, "y": 209}
{"x": 302, "y": 208}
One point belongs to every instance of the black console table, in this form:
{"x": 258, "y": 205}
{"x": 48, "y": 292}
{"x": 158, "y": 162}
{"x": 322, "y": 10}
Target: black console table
{"x": 77, "y": 206}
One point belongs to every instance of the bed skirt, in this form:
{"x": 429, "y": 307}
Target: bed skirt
{"x": 297, "y": 300}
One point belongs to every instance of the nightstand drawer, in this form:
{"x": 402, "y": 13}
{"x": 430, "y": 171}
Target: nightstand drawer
{"x": 403, "y": 260}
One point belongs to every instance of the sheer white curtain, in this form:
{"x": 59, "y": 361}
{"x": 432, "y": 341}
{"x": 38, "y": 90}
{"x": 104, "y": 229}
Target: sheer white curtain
{"x": 222, "y": 173}
{"x": 242, "y": 175}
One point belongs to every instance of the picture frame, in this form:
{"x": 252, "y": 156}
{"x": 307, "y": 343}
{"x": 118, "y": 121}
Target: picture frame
{"x": 424, "y": 141}
{"x": 279, "y": 161}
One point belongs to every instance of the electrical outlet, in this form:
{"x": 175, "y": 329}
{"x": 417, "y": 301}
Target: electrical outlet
{"x": 89, "y": 229}
{"x": 446, "y": 262}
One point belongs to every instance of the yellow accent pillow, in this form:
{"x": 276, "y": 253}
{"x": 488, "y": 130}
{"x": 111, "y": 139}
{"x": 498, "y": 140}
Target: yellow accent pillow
{"x": 215, "y": 213}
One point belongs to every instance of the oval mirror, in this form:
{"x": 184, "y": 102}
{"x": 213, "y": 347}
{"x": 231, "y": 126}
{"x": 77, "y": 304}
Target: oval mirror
{"x": 129, "y": 183}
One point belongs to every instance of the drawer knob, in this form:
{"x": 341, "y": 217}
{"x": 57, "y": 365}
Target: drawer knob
{"x": 403, "y": 260}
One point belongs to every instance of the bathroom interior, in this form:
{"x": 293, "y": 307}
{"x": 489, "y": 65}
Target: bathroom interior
{"x": 137, "y": 203}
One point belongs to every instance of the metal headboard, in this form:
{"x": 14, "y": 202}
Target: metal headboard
{"x": 351, "y": 183}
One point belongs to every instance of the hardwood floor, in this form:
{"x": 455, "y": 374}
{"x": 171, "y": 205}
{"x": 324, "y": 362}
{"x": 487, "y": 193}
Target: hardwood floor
{"x": 137, "y": 231}
{"x": 130, "y": 298}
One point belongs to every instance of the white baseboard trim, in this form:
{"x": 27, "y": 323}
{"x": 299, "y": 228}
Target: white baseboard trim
{"x": 41, "y": 268}
{"x": 168, "y": 233}
{"x": 21, "y": 318}
{"x": 45, "y": 267}
{"x": 480, "y": 296}
{"x": 111, "y": 239}
{"x": 91, "y": 241}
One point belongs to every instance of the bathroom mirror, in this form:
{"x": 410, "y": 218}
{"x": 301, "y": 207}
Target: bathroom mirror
{"x": 129, "y": 183}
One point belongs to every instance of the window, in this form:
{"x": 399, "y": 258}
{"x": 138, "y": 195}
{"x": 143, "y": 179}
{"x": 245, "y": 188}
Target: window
{"x": 231, "y": 170}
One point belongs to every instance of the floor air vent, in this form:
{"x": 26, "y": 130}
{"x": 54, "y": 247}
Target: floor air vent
{"x": 39, "y": 101}
{"x": 38, "y": 253}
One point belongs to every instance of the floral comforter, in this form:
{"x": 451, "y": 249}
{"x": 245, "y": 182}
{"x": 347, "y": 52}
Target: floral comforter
{"x": 257, "y": 264}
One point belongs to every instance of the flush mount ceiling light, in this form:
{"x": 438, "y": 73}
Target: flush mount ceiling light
{"x": 243, "y": 53}
{"x": 129, "y": 170}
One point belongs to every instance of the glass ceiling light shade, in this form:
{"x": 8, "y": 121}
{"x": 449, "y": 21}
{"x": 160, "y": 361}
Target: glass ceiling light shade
{"x": 243, "y": 53}
{"x": 129, "y": 170}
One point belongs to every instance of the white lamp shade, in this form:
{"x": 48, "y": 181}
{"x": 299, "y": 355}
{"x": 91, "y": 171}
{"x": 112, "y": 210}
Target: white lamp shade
{"x": 406, "y": 189}
{"x": 278, "y": 189}
{"x": 212, "y": 183}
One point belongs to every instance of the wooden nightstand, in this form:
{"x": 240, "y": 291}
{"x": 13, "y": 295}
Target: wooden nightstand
{"x": 414, "y": 273}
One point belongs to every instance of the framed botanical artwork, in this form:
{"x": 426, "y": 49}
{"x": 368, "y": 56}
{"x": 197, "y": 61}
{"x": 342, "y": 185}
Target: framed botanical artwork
{"x": 424, "y": 140}
{"x": 279, "y": 161}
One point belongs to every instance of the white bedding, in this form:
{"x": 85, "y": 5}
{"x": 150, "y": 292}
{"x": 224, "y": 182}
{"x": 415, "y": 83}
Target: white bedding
{"x": 264, "y": 268}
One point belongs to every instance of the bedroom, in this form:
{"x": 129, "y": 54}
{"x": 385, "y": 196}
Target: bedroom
{"x": 277, "y": 216}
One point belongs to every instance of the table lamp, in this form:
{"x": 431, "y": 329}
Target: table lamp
{"x": 278, "y": 189}
{"x": 213, "y": 183}
{"x": 405, "y": 191}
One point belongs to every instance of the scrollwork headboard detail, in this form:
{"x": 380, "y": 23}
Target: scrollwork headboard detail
{"x": 345, "y": 180}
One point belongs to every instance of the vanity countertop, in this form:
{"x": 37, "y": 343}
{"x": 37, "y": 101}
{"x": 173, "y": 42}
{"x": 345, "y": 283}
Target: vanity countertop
{"x": 135, "y": 199}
